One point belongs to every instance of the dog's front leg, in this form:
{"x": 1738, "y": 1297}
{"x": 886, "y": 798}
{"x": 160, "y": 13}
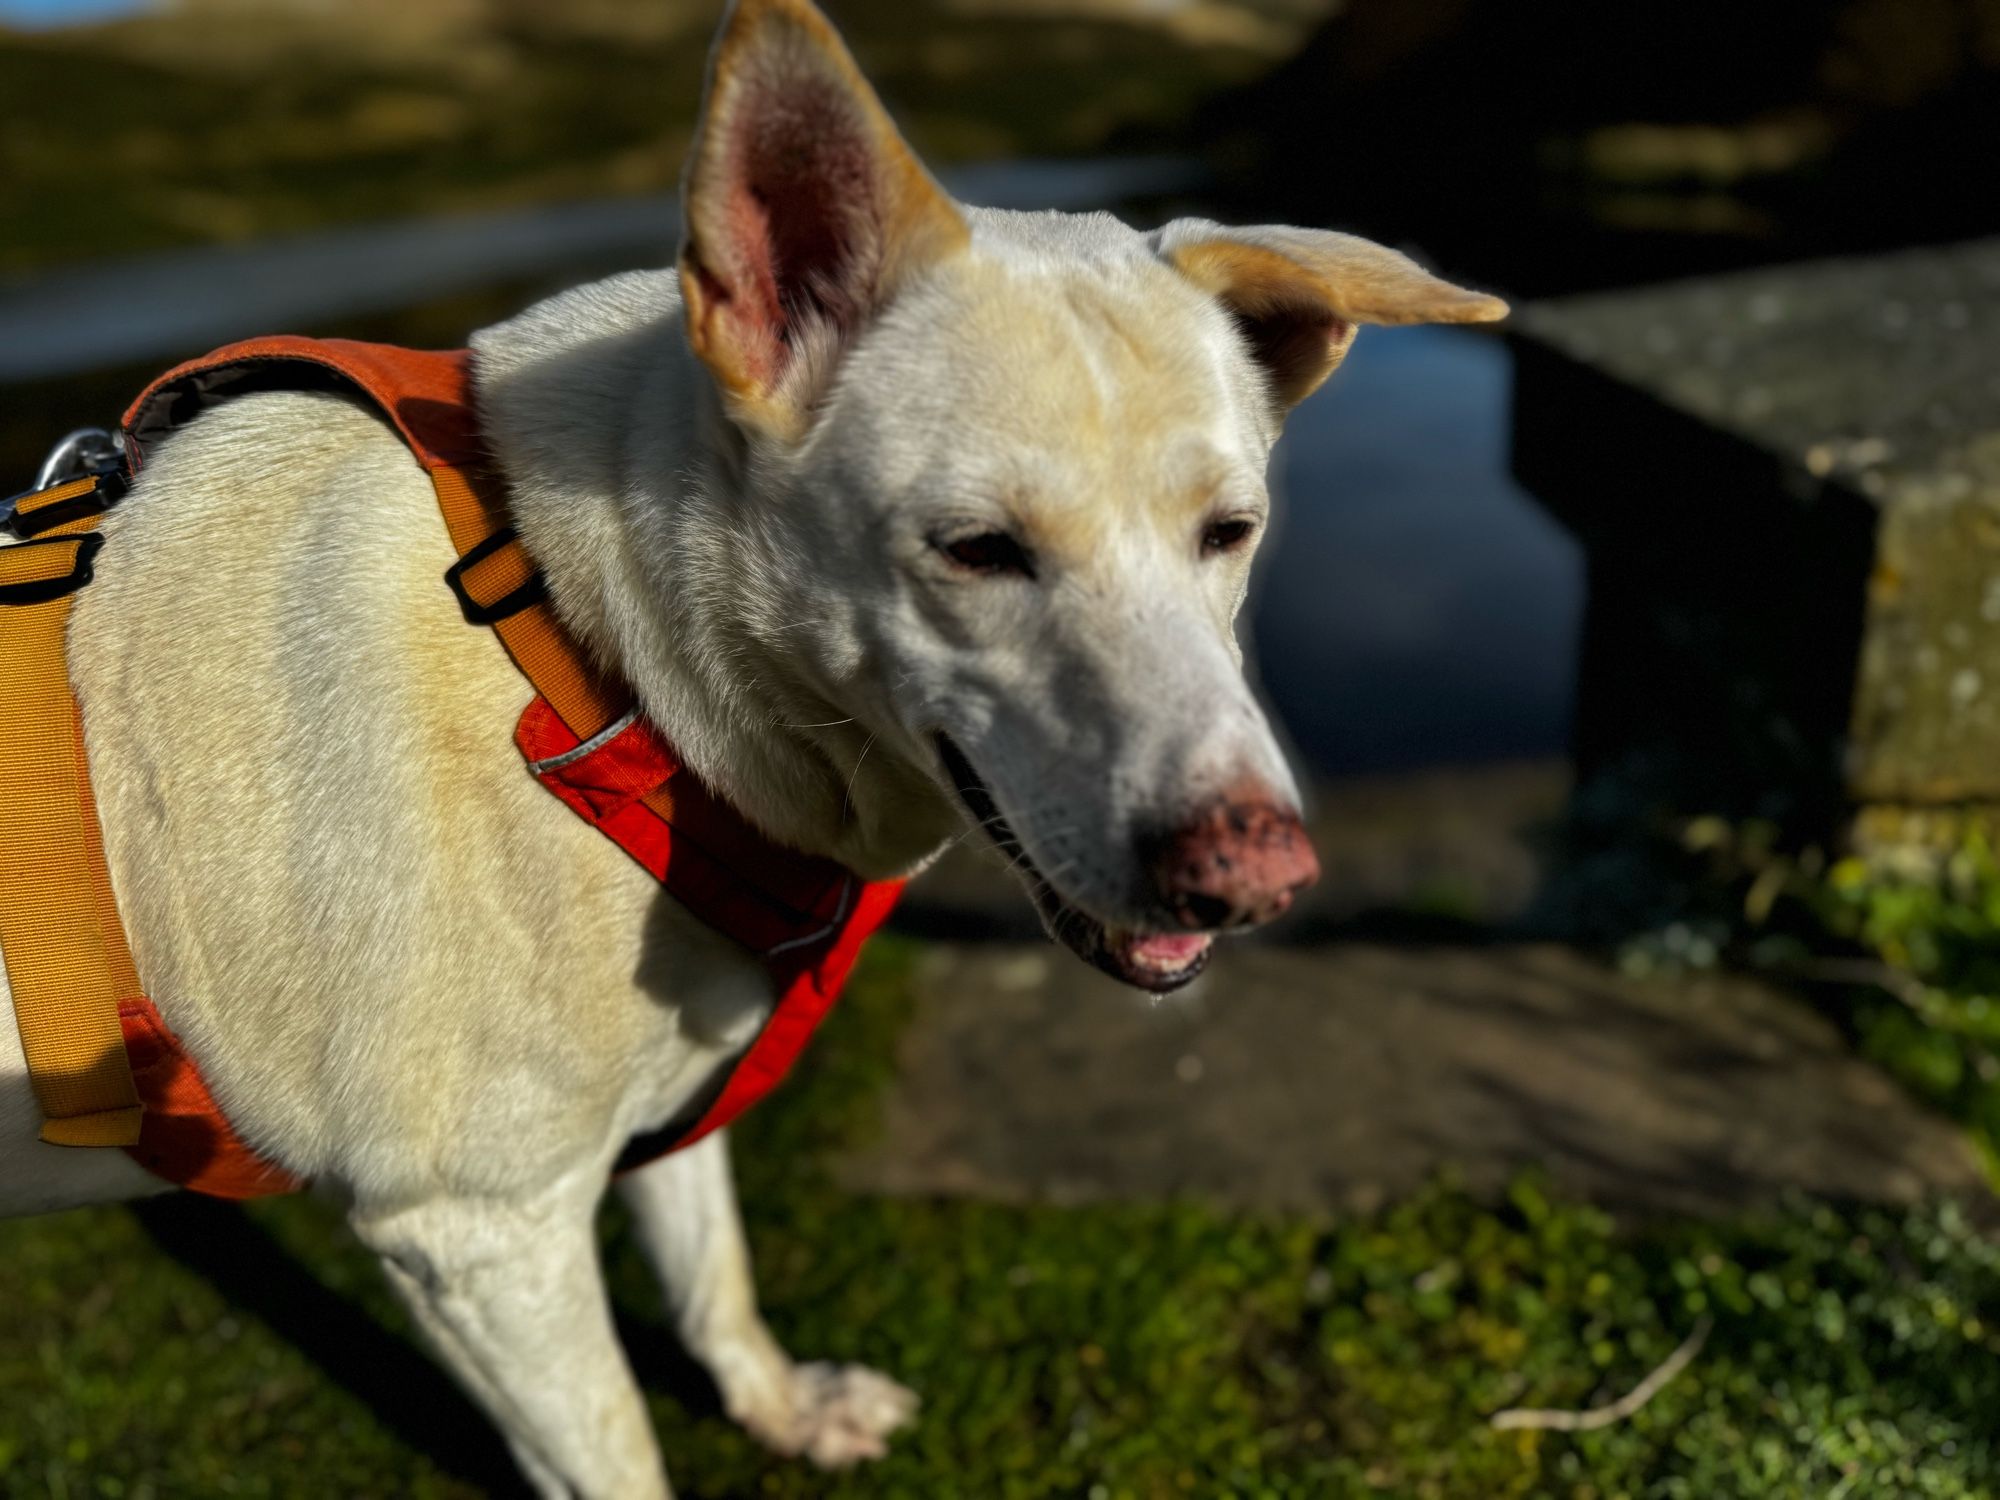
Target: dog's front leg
{"x": 685, "y": 1206}
{"x": 512, "y": 1299}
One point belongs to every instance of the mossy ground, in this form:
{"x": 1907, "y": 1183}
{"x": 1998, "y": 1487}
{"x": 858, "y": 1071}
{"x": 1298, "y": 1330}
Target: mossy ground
{"x": 116, "y": 145}
{"x": 1113, "y": 1351}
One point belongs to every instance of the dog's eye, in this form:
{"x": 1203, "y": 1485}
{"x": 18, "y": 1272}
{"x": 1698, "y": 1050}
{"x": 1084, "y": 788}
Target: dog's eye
{"x": 1227, "y": 536}
{"x": 988, "y": 552}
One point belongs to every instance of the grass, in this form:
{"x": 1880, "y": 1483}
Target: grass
{"x": 1109, "y": 1352}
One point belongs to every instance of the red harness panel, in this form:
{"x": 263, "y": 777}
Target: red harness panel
{"x": 808, "y": 950}
{"x": 806, "y": 917}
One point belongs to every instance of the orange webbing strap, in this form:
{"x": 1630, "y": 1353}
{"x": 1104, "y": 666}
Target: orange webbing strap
{"x": 495, "y": 572}
{"x": 67, "y": 962}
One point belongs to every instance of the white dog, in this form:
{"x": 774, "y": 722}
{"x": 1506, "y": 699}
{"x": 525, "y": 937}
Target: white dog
{"x": 893, "y": 514}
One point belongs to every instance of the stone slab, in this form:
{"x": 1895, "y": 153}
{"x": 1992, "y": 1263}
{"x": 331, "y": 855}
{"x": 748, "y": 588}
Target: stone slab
{"x": 1798, "y": 470}
{"x": 1882, "y": 372}
{"x": 1336, "y": 1077}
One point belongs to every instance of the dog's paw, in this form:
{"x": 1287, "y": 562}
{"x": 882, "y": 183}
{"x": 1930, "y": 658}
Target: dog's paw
{"x": 834, "y": 1415}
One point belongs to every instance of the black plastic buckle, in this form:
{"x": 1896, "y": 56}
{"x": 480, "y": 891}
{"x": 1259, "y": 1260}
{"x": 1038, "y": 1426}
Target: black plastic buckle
{"x": 41, "y": 590}
{"x": 109, "y": 489}
{"x": 534, "y": 591}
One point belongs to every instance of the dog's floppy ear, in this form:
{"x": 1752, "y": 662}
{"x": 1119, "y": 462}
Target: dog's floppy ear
{"x": 804, "y": 209}
{"x": 1299, "y": 294}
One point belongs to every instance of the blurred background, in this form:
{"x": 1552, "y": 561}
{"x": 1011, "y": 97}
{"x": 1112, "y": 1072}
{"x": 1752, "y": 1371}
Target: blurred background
{"x": 1640, "y": 658}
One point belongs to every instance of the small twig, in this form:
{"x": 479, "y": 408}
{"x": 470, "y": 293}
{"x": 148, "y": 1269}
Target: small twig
{"x": 1603, "y": 1416}
{"x": 1904, "y": 987}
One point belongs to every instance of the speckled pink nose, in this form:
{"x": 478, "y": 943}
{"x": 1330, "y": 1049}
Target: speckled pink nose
{"x": 1238, "y": 863}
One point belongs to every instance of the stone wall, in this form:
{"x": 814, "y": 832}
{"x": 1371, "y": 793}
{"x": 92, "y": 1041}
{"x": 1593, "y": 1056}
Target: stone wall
{"x": 1787, "y": 483}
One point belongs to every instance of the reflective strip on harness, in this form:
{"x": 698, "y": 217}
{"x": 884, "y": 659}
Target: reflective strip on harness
{"x": 809, "y": 953}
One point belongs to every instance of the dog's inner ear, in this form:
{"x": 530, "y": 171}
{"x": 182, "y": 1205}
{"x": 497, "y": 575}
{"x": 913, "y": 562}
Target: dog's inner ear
{"x": 805, "y": 210}
{"x": 1297, "y": 295}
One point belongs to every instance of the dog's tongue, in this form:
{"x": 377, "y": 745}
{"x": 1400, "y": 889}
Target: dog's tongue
{"x": 1168, "y": 950}
{"x": 1155, "y": 961}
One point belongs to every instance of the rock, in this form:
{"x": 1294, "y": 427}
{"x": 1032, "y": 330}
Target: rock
{"x": 1787, "y": 483}
{"x": 1340, "y": 1077}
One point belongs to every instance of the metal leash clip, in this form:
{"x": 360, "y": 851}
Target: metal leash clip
{"x": 88, "y": 450}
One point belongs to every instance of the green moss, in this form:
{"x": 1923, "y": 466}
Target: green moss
{"x": 1136, "y": 1351}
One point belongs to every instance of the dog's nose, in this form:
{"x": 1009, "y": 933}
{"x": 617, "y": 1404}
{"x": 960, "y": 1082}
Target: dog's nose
{"x": 1238, "y": 863}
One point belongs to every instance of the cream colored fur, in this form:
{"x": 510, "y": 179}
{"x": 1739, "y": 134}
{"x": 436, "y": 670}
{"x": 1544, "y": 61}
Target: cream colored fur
{"x": 412, "y": 976}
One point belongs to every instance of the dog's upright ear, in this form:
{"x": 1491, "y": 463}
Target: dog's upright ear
{"x": 1299, "y": 294}
{"x": 804, "y": 210}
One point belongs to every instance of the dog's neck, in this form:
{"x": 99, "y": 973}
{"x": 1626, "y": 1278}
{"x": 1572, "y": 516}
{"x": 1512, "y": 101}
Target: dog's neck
{"x": 618, "y": 466}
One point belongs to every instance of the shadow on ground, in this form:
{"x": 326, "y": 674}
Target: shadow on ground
{"x": 409, "y": 1394}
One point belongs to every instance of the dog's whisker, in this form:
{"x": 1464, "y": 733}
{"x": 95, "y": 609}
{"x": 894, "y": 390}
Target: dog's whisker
{"x": 790, "y": 625}
{"x": 847, "y": 796}
{"x": 987, "y": 825}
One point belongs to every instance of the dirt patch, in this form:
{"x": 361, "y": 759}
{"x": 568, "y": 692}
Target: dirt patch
{"x": 1340, "y": 1076}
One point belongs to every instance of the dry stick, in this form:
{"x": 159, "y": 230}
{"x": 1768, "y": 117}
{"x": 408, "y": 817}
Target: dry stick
{"x": 1905, "y": 987}
{"x": 1603, "y": 1416}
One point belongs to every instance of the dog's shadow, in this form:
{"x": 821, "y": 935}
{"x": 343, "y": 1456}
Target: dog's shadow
{"x": 406, "y": 1392}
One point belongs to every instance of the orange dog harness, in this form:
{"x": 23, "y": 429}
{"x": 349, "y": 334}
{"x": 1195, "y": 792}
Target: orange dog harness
{"x": 105, "y": 1067}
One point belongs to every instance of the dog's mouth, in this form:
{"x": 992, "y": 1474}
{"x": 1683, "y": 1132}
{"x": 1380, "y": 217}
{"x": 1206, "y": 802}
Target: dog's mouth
{"x": 1155, "y": 961}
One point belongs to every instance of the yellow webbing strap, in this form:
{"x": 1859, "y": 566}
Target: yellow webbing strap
{"x": 45, "y": 510}
{"x": 67, "y": 962}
